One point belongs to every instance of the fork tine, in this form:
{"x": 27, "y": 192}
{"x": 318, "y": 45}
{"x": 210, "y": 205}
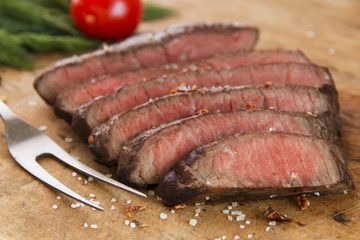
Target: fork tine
{"x": 63, "y": 156}
{"x": 36, "y": 170}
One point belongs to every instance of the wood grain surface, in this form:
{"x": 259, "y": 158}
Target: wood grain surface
{"x": 327, "y": 31}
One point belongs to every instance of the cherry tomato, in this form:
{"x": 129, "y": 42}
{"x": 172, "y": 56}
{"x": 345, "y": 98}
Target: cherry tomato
{"x": 106, "y": 19}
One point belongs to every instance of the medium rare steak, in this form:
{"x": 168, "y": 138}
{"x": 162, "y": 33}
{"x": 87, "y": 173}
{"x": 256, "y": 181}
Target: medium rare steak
{"x": 256, "y": 166}
{"x": 106, "y": 140}
{"x": 98, "y": 111}
{"x": 175, "y": 43}
{"x": 149, "y": 156}
{"x": 69, "y": 100}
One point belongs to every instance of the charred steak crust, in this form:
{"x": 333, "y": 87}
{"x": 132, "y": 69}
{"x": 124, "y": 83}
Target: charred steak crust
{"x": 97, "y": 111}
{"x": 132, "y": 46}
{"x": 180, "y": 184}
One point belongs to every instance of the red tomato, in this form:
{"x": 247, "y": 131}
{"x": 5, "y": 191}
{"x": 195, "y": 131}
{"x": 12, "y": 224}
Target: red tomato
{"x": 106, "y": 19}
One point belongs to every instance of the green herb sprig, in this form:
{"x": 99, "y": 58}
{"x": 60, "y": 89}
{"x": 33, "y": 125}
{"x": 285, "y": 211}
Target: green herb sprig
{"x": 41, "y": 26}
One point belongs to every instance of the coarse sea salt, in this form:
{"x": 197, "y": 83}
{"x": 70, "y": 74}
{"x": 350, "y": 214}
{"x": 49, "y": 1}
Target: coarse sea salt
{"x": 247, "y": 222}
{"x": 163, "y": 216}
{"x": 273, "y": 223}
{"x": 58, "y": 197}
{"x": 74, "y": 174}
{"x": 242, "y": 226}
{"x": 236, "y": 237}
{"x": 113, "y": 200}
{"x": 92, "y": 195}
{"x": 267, "y": 229}
{"x": 234, "y": 204}
{"x": 68, "y": 139}
{"x": 230, "y": 218}
{"x": 132, "y": 225}
{"x": 250, "y": 236}
{"x": 127, "y": 222}
{"x": 90, "y": 179}
{"x": 93, "y": 226}
{"x": 54, "y": 206}
{"x": 42, "y": 128}
{"x": 193, "y": 222}
{"x": 86, "y": 225}
{"x": 226, "y": 211}
{"x": 112, "y": 207}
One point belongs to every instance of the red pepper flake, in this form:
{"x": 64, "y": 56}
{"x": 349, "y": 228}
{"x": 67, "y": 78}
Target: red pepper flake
{"x": 202, "y": 111}
{"x": 268, "y": 84}
{"x": 303, "y": 202}
{"x": 250, "y": 106}
{"x": 113, "y": 220}
{"x": 130, "y": 210}
{"x": 178, "y": 207}
{"x": 274, "y": 215}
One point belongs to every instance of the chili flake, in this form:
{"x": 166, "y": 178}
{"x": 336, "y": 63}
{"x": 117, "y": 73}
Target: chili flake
{"x": 268, "y": 84}
{"x": 274, "y": 215}
{"x": 202, "y": 111}
{"x": 178, "y": 207}
{"x": 130, "y": 210}
{"x": 251, "y": 106}
{"x": 303, "y": 202}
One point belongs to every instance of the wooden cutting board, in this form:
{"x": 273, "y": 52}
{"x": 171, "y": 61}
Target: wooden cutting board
{"x": 328, "y": 32}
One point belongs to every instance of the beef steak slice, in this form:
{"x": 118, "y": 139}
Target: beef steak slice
{"x": 176, "y": 43}
{"x": 148, "y": 156}
{"x": 106, "y": 140}
{"x": 256, "y": 166}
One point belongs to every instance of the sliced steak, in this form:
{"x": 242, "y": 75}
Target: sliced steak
{"x": 149, "y": 156}
{"x": 176, "y": 43}
{"x": 256, "y": 166}
{"x": 106, "y": 140}
{"x": 69, "y": 100}
{"x": 98, "y": 111}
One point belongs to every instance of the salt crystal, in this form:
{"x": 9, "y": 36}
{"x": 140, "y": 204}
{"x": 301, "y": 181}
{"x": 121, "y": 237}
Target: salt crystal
{"x": 226, "y": 211}
{"x": 79, "y": 178}
{"x": 234, "y": 212}
{"x": 272, "y": 129}
{"x": 346, "y": 191}
{"x": 234, "y": 204}
{"x": 94, "y": 209}
{"x": 127, "y": 222}
{"x": 92, "y": 195}
{"x": 73, "y": 205}
{"x": 74, "y": 174}
{"x": 294, "y": 175}
{"x": 58, "y": 197}
{"x": 310, "y": 34}
{"x": 229, "y": 207}
{"x": 193, "y": 222}
{"x": 163, "y": 216}
{"x": 268, "y": 229}
{"x": 86, "y": 225}
{"x": 223, "y": 237}
{"x": 331, "y": 51}
{"x": 112, "y": 207}
{"x": 113, "y": 200}
{"x": 93, "y": 226}
{"x": 151, "y": 193}
{"x": 172, "y": 211}
{"x": 128, "y": 201}
{"x": 242, "y": 226}
{"x": 230, "y": 218}
{"x": 196, "y": 215}
{"x": 207, "y": 198}
{"x": 54, "y": 207}
{"x": 236, "y": 237}
{"x": 317, "y": 194}
{"x": 77, "y": 204}
{"x": 250, "y": 235}
{"x": 32, "y": 103}
{"x": 42, "y": 128}
{"x": 132, "y": 225}
{"x": 273, "y": 223}
{"x": 247, "y": 222}
{"x": 68, "y": 139}
{"x": 90, "y": 179}
{"x": 197, "y": 210}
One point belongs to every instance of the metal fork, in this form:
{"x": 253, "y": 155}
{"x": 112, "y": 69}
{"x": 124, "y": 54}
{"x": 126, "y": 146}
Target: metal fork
{"x": 26, "y": 144}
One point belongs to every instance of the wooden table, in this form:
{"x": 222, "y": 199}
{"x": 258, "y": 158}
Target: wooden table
{"x": 328, "y": 32}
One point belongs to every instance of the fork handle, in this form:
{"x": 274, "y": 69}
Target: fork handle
{"x": 5, "y": 113}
